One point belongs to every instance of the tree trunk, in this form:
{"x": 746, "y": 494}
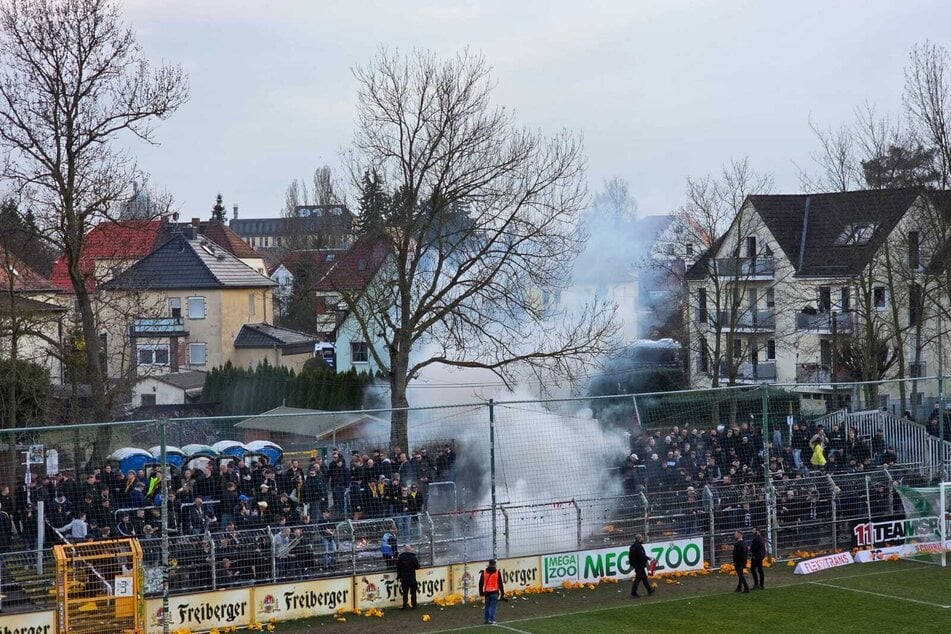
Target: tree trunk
{"x": 399, "y": 417}
{"x": 95, "y": 376}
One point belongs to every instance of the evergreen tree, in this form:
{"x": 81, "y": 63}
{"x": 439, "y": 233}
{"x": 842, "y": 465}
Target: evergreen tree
{"x": 218, "y": 211}
{"x": 374, "y": 204}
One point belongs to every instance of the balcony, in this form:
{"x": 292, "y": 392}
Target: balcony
{"x": 821, "y": 323}
{"x": 820, "y": 374}
{"x": 747, "y": 321}
{"x": 761, "y": 372}
{"x": 158, "y": 327}
{"x": 746, "y": 269}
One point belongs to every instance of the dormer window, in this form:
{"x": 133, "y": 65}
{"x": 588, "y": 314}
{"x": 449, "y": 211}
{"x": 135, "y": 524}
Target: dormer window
{"x": 855, "y": 235}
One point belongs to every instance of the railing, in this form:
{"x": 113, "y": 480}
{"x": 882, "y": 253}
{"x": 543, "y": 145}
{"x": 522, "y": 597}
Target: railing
{"x": 761, "y": 372}
{"x": 822, "y": 322}
{"x": 746, "y": 267}
{"x": 158, "y": 327}
{"x": 748, "y": 320}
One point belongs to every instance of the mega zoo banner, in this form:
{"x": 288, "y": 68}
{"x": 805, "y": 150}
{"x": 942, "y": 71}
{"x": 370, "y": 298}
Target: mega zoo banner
{"x": 681, "y": 555}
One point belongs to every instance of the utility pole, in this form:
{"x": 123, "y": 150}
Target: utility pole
{"x": 834, "y": 370}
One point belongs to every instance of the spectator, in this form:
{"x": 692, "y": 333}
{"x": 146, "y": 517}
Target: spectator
{"x": 77, "y": 529}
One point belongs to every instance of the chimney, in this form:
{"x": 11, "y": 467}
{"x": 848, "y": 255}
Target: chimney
{"x": 235, "y": 212}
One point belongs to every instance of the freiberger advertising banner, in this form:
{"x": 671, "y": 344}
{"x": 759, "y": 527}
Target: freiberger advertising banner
{"x": 29, "y": 623}
{"x": 303, "y": 599}
{"x": 383, "y": 590}
{"x": 201, "y": 612}
{"x": 519, "y": 573}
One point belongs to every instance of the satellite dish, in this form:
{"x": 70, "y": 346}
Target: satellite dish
{"x": 175, "y": 216}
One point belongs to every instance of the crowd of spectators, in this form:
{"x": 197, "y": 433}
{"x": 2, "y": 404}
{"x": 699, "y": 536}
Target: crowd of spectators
{"x": 299, "y": 504}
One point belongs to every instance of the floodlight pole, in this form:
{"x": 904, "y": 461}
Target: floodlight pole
{"x": 495, "y": 530}
{"x": 941, "y": 405}
{"x": 163, "y": 460}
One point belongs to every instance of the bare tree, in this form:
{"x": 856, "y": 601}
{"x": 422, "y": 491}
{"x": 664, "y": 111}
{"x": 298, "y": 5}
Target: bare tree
{"x": 485, "y": 216}
{"x": 73, "y": 84}
{"x": 927, "y": 100}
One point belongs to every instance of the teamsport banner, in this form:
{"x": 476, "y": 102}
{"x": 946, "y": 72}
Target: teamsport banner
{"x": 29, "y": 623}
{"x": 201, "y": 612}
{"x": 878, "y": 534}
{"x": 303, "y": 599}
{"x": 383, "y": 590}
{"x": 519, "y": 573}
{"x": 681, "y": 555}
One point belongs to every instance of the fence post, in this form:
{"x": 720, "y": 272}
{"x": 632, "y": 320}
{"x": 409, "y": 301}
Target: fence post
{"x": 270, "y": 538}
{"x": 40, "y": 535}
{"x": 495, "y": 530}
{"x": 432, "y": 538}
{"x": 505, "y": 518}
{"x": 708, "y": 496}
{"x": 647, "y": 513}
{"x": 941, "y": 415}
{"x": 353, "y": 548}
{"x": 835, "y": 505}
{"x": 214, "y": 560}
{"x": 578, "y": 511}
{"x": 768, "y": 483}
{"x": 163, "y": 464}
{"x": 868, "y": 499}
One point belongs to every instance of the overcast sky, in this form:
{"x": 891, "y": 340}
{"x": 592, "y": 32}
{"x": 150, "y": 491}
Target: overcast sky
{"x": 659, "y": 89}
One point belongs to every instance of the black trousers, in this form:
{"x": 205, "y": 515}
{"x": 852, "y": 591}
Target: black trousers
{"x": 756, "y": 567}
{"x": 741, "y": 580}
{"x": 408, "y": 589}
{"x": 640, "y": 575}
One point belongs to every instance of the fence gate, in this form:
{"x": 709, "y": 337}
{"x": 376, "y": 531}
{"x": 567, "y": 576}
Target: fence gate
{"x": 99, "y": 587}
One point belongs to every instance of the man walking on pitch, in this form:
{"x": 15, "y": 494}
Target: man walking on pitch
{"x": 406, "y": 566}
{"x": 757, "y": 555}
{"x": 490, "y": 587}
{"x": 639, "y": 560}
{"x": 739, "y": 562}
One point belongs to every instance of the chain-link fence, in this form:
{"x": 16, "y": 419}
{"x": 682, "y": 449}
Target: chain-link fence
{"x": 295, "y": 494}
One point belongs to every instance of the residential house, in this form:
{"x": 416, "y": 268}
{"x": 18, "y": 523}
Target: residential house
{"x": 180, "y": 388}
{"x": 801, "y": 288}
{"x": 351, "y": 274}
{"x": 326, "y": 226}
{"x": 186, "y": 305}
{"x": 32, "y": 316}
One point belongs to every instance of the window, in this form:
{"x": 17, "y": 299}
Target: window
{"x": 358, "y": 352}
{"x": 252, "y": 305}
{"x": 751, "y": 246}
{"x": 879, "y": 298}
{"x": 702, "y": 305}
{"x": 196, "y": 307}
{"x": 825, "y": 352}
{"x": 689, "y": 248}
{"x": 855, "y": 235}
{"x": 914, "y": 304}
{"x": 771, "y": 297}
{"x": 148, "y": 400}
{"x": 153, "y": 355}
{"x": 914, "y": 250}
{"x": 845, "y": 299}
{"x": 825, "y": 299}
{"x": 175, "y": 307}
{"x": 703, "y": 364}
{"x": 197, "y": 354}
{"x": 771, "y": 350}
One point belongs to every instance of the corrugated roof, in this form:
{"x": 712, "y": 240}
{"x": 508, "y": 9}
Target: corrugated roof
{"x": 307, "y": 422}
{"x": 189, "y": 263}
{"x": 263, "y": 335}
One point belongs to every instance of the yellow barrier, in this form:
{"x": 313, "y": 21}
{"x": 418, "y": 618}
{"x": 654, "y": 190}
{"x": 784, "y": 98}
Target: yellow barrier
{"x": 383, "y": 590}
{"x": 519, "y": 573}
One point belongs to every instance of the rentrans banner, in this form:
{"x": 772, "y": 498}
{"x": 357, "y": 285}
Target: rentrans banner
{"x": 682, "y": 555}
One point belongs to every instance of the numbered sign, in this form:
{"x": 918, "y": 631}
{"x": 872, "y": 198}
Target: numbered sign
{"x": 124, "y": 587}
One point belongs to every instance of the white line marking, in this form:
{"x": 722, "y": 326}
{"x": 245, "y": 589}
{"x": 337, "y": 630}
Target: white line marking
{"x": 511, "y": 628}
{"x": 690, "y": 598}
{"x": 879, "y": 594}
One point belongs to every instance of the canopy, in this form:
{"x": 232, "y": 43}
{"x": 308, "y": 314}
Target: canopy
{"x": 174, "y": 455}
{"x": 195, "y": 450}
{"x": 266, "y": 448}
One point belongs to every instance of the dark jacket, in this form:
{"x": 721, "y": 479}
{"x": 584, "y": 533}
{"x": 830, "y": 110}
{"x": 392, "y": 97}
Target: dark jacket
{"x": 406, "y": 566}
{"x": 739, "y": 555}
{"x": 638, "y": 555}
{"x": 758, "y": 547}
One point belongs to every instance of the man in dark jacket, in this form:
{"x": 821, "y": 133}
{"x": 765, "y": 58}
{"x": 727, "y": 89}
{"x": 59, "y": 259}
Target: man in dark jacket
{"x": 639, "y": 560}
{"x": 490, "y": 587}
{"x": 406, "y": 566}
{"x": 739, "y": 562}
{"x": 757, "y": 555}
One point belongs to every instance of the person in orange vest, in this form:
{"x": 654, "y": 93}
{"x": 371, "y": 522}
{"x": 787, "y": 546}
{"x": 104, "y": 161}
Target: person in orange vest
{"x": 490, "y": 587}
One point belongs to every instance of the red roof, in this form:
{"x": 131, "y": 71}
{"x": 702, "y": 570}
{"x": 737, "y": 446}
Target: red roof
{"x": 129, "y": 240}
{"x": 25, "y": 279}
{"x": 225, "y": 237}
{"x": 356, "y": 267}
